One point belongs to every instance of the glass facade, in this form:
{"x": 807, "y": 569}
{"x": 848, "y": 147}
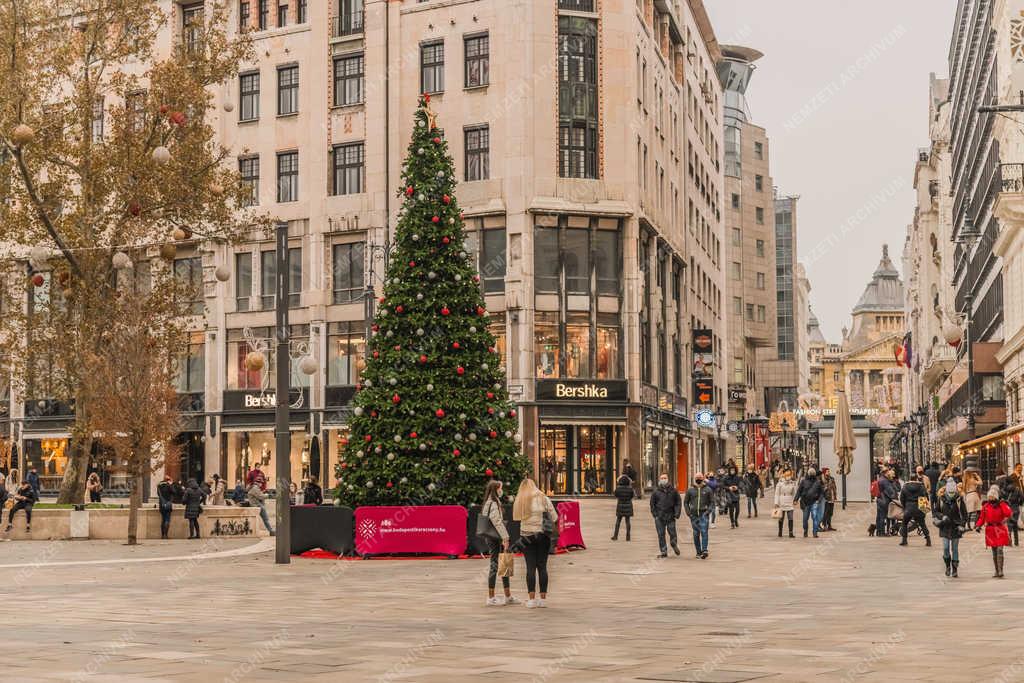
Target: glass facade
{"x": 784, "y": 278}
{"x": 578, "y": 459}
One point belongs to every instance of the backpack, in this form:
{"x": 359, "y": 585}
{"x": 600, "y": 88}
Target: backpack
{"x": 875, "y": 489}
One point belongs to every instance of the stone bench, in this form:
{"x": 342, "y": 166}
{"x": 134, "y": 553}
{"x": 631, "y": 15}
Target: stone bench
{"x": 112, "y": 524}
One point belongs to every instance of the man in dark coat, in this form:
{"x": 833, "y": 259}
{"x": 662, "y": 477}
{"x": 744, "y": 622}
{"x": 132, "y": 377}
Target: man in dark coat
{"x": 933, "y": 472}
{"x": 698, "y": 503}
{"x": 313, "y": 494}
{"x": 909, "y": 495}
{"x": 753, "y": 487}
{"x": 624, "y": 505}
{"x": 731, "y": 484}
{"x": 666, "y": 506}
{"x": 634, "y": 481}
{"x": 886, "y": 494}
{"x": 811, "y": 494}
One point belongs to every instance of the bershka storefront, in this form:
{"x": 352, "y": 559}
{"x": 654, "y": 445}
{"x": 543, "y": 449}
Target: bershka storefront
{"x": 579, "y": 428}
{"x": 248, "y": 434}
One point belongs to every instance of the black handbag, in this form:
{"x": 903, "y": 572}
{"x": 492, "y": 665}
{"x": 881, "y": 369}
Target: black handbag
{"x": 547, "y": 524}
{"x": 485, "y": 527}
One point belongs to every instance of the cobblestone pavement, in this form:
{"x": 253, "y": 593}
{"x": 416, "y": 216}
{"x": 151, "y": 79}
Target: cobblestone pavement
{"x": 844, "y": 607}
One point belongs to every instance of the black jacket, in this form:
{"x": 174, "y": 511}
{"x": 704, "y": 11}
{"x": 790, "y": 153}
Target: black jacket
{"x": 27, "y": 492}
{"x": 933, "y": 473}
{"x": 193, "y": 500}
{"x": 624, "y": 495}
{"x": 726, "y": 486}
{"x": 313, "y": 494}
{"x": 809, "y": 491}
{"x": 1011, "y": 493}
{"x": 753, "y": 484}
{"x": 698, "y": 501}
{"x": 666, "y": 503}
{"x": 909, "y": 494}
{"x": 950, "y": 515}
{"x": 887, "y": 491}
{"x": 165, "y": 494}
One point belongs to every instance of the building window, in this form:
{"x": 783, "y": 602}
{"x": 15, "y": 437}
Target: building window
{"x": 303, "y": 13}
{"x": 478, "y": 153}
{"x": 243, "y": 280}
{"x": 268, "y": 278}
{"x": 249, "y": 170}
{"x": 497, "y": 330}
{"x": 759, "y": 150}
{"x": 249, "y": 96}
{"x": 735, "y": 270}
{"x": 577, "y": 97}
{"x": 488, "y": 247}
{"x": 576, "y": 260}
{"x": 244, "y": 16}
{"x": 759, "y": 246}
{"x": 295, "y": 277}
{"x": 737, "y": 237}
{"x": 607, "y": 357}
{"x": 189, "y": 274}
{"x": 577, "y": 345}
{"x": 759, "y": 183}
{"x": 759, "y": 215}
{"x": 477, "y": 49}
{"x": 282, "y": 14}
{"x": 761, "y": 313}
{"x": 750, "y": 312}
{"x": 346, "y": 346}
{"x": 546, "y": 347}
{"x": 735, "y": 201}
{"x": 288, "y": 177}
{"x": 662, "y": 360}
{"x": 350, "y": 18}
{"x": 737, "y": 305}
{"x": 97, "y": 119}
{"x": 760, "y": 280}
{"x": 348, "y": 168}
{"x": 349, "y": 76}
{"x": 191, "y": 368}
{"x": 607, "y": 262}
{"x": 287, "y": 90}
{"x": 135, "y": 104}
{"x": 192, "y": 27}
{"x": 241, "y": 377}
{"x": 347, "y": 272}
{"x": 432, "y": 67}
{"x": 264, "y": 8}
{"x": 545, "y": 260}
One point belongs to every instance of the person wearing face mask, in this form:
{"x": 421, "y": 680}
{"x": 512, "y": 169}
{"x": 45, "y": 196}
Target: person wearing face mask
{"x": 950, "y": 516}
{"x": 831, "y": 495}
{"x": 754, "y": 487}
{"x": 785, "y": 492}
{"x": 712, "y": 483}
{"x": 666, "y": 506}
{"x": 993, "y": 516}
{"x": 731, "y": 484}
{"x": 698, "y": 503}
{"x": 811, "y": 495}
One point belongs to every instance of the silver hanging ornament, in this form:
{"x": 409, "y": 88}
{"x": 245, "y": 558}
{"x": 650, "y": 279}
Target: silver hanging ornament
{"x": 472, "y": 329}
{"x": 369, "y": 484}
{"x": 390, "y": 334}
{"x": 462, "y": 467}
{"x": 462, "y": 416}
{"x": 397, "y": 438}
{"x": 419, "y": 296}
{"x": 392, "y": 381}
{"x": 378, "y": 450}
{"x": 483, "y": 366}
{"x": 391, "y": 456}
{"x": 430, "y": 387}
{"x": 458, "y": 278}
{"x": 415, "y": 237}
{"x": 357, "y": 411}
{"x": 472, "y": 436}
{"x": 420, "y": 150}
{"x": 508, "y": 434}
{"x": 431, "y": 275}
{"x": 458, "y": 437}
{"x": 419, "y": 331}
{"x": 423, "y": 446}
{"x": 368, "y": 383}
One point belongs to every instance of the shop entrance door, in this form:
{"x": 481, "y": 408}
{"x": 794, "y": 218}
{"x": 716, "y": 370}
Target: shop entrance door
{"x": 682, "y": 464}
{"x": 555, "y": 465}
{"x": 595, "y": 459}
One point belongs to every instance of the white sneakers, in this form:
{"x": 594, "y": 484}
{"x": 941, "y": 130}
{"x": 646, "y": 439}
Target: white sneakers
{"x": 512, "y": 600}
{"x": 495, "y": 601}
{"x": 541, "y": 603}
{"x": 538, "y": 602}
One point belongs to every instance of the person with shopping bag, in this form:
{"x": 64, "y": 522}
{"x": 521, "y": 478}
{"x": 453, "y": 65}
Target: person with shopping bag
{"x": 490, "y": 526}
{"x": 538, "y": 521}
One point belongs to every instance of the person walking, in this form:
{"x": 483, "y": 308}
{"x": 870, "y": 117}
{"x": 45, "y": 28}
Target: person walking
{"x": 712, "y": 483}
{"x": 831, "y": 496}
{"x": 165, "y": 502}
{"x": 934, "y": 472}
{"x": 218, "y": 491}
{"x": 754, "y": 488}
{"x": 537, "y": 518}
{"x": 94, "y": 488}
{"x": 785, "y": 493}
{"x": 624, "y": 505}
{"x": 698, "y": 503}
{"x": 912, "y": 495}
{"x": 886, "y": 494}
{"x": 257, "y": 498}
{"x": 193, "y": 501}
{"x": 634, "y": 480}
{"x": 24, "y": 498}
{"x": 810, "y": 494}
{"x": 950, "y": 516}
{"x": 666, "y": 506}
{"x": 313, "y": 494}
{"x": 972, "y": 494}
{"x": 492, "y": 510}
{"x": 731, "y": 485}
{"x": 993, "y": 516}
{"x": 1012, "y": 491}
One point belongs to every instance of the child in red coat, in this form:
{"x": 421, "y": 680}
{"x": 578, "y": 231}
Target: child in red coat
{"x": 993, "y": 516}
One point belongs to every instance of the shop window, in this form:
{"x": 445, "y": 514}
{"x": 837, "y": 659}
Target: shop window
{"x": 577, "y": 345}
{"x": 497, "y": 329}
{"x": 576, "y": 257}
{"x": 546, "y": 345}
{"x": 238, "y": 347}
{"x": 608, "y": 356}
{"x": 346, "y": 347}
{"x": 246, "y": 450}
{"x": 191, "y": 368}
{"x": 348, "y": 272}
{"x": 545, "y": 260}
{"x": 607, "y": 262}
{"x": 189, "y": 275}
{"x": 243, "y": 280}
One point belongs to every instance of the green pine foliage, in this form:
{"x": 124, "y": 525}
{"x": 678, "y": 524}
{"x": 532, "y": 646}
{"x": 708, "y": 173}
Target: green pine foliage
{"x": 432, "y": 421}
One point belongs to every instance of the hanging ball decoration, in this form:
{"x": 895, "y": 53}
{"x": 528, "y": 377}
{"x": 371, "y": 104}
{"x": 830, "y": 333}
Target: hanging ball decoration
{"x": 518, "y": 438}
{"x": 216, "y": 189}
{"x": 255, "y": 361}
{"x": 415, "y": 237}
{"x": 38, "y": 256}
{"x": 361, "y": 363}
{"x": 358, "y": 411}
{"x": 420, "y": 332}
{"x": 403, "y": 480}
{"x": 462, "y": 416}
{"x": 456, "y": 452}
{"x": 420, "y": 150}
{"x": 446, "y": 199}
{"x": 229, "y": 106}
{"x": 490, "y": 394}
{"x": 458, "y": 437}
{"x": 472, "y": 329}
{"x": 168, "y": 251}
{"x": 460, "y": 370}
{"x": 462, "y": 467}
{"x": 419, "y": 296}
{"x": 430, "y": 387}
{"x": 436, "y": 219}
{"x": 512, "y": 413}
{"x": 368, "y": 438}
{"x": 437, "y": 141}
{"x": 222, "y": 273}
{"x": 390, "y": 334}
{"x": 376, "y": 354}
{"x": 483, "y": 366}
{"x": 369, "y": 484}
{"x": 121, "y": 261}
{"x": 391, "y": 456}
{"x": 179, "y": 234}
{"x": 161, "y": 155}
{"x": 439, "y": 412}
{"x": 431, "y": 275}
{"x": 378, "y": 450}
{"x": 480, "y": 310}
{"x": 952, "y": 334}
{"x": 445, "y": 311}
{"x": 508, "y": 434}
{"x": 472, "y": 436}
{"x": 409, "y": 191}
{"x": 399, "y": 308}
{"x": 397, "y": 438}
{"x": 446, "y": 240}
{"x": 412, "y": 264}
{"x": 38, "y": 280}
{"x": 392, "y": 381}
{"x": 421, "y": 197}
{"x": 431, "y": 486}
{"x": 455, "y": 345}
{"x": 489, "y": 472}
{"x": 423, "y": 446}
{"x": 308, "y": 365}
{"x": 451, "y": 221}
{"x": 22, "y": 135}
{"x": 476, "y": 278}
{"x": 490, "y": 411}
{"x": 177, "y": 118}
{"x": 458, "y": 278}
{"x": 493, "y": 434}
{"x": 440, "y": 174}
{"x": 497, "y": 386}
{"x": 368, "y": 383}
{"x": 396, "y": 399}
{"x": 423, "y": 358}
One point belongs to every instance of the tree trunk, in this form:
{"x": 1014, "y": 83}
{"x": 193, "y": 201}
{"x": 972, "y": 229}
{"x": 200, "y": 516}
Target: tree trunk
{"x": 134, "y": 503}
{"x": 72, "y": 487}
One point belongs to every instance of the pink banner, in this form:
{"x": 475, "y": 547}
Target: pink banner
{"x": 569, "y": 531}
{"x": 439, "y": 529}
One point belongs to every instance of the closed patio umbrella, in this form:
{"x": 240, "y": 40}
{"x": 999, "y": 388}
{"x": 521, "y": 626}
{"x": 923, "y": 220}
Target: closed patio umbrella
{"x": 843, "y": 440}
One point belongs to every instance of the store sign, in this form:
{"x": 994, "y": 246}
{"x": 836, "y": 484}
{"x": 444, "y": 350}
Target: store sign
{"x": 243, "y": 401}
{"x": 581, "y": 390}
{"x": 737, "y": 394}
{"x": 705, "y": 418}
{"x": 703, "y": 392}
{"x": 257, "y": 401}
{"x": 703, "y": 368}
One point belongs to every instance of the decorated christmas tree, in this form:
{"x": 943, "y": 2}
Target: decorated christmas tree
{"x": 432, "y": 421}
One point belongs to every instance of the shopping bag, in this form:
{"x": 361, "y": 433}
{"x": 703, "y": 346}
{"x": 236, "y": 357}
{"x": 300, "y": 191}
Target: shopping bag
{"x": 777, "y": 513}
{"x": 506, "y": 564}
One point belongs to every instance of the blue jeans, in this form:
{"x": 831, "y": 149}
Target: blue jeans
{"x": 265, "y": 518}
{"x": 814, "y": 512}
{"x": 661, "y": 526}
{"x": 951, "y": 549}
{"x": 700, "y": 533}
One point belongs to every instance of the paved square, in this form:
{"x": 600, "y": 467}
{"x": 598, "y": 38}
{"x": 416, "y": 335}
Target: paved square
{"x": 844, "y": 607}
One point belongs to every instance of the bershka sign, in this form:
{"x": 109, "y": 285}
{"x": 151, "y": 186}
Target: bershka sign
{"x": 581, "y": 390}
{"x": 258, "y": 401}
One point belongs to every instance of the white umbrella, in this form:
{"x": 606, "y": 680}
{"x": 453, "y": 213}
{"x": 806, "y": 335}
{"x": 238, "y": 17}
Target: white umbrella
{"x": 843, "y": 440}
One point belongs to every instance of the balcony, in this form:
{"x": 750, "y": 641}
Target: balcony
{"x": 940, "y": 360}
{"x": 347, "y": 24}
{"x": 1009, "y": 208}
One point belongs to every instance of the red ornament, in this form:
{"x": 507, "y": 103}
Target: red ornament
{"x": 490, "y": 411}
{"x": 446, "y": 199}
{"x": 456, "y": 452}
{"x": 490, "y": 394}
{"x": 396, "y": 399}
{"x": 445, "y": 239}
{"x": 38, "y": 280}
{"x": 491, "y": 349}
{"x": 436, "y": 219}
{"x": 380, "y": 300}
{"x": 489, "y": 472}
{"x": 437, "y": 141}
{"x": 412, "y": 264}
{"x": 512, "y": 413}
{"x": 423, "y": 359}
{"x": 399, "y": 309}
{"x": 373, "y": 413}
{"x": 439, "y": 412}
{"x": 398, "y": 347}
{"x": 344, "y": 465}
{"x": 460, "y": 370}
{"x": 476, "y": 278}
{"x": 134, "y": 209}
{"x": 368, "y": 438}
{"x": 412, "y": 435}
{"x": 455, "y": 345}
{"x": 409, "y": 191}
{"x": 177, "y": 118}
{"x": 164, "y": 108}
{"x": 389, "y": 484}
{"x": 426, "y": 97}
{"x": 480, "y": 310}
{"x": 445, "y": 311}
{"x": 494, "y": 434}
{"x": 461, "y": 215}
{"x": 376, "y": 327}
{"x": 376, "y": 354}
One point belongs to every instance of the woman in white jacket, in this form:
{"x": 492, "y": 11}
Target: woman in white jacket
{"x": 785, "y": 491}
{"x": 529, "y": 509}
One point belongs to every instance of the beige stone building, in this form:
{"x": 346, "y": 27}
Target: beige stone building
{"x": 588, "y": 145}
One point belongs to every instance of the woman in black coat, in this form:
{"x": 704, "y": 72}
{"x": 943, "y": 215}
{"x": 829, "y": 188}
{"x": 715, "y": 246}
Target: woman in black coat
{"x": 193, "y": 499}
{"x": 951, "y": 517}
{"x": 624, "y": 507}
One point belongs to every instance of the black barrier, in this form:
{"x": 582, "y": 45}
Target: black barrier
{"x": 330, "y": 527}
{"x": 477, "y": 545}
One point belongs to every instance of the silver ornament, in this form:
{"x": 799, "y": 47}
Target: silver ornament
{"x": 462, "y": 468}
{"x": 390, "y": 334}
{"x": 462, "y": 416}
{"x": 518, "y": 438}
{"x": 420, "y": 197}
{"x": 403, "y": 480}
{"x": 415, "y": 237}
{"x": 392, "y": 381}
{"x": 483, "y": 366}
{"x": 472, "y": 437}
{"x": 391, "y": 456}
{"x": 359, "y": 454}
{"x": 451, "y": 221}
{"x": 419, "y": 331}
{"x": 420, "y": 150}
{"x": 350, "y": 487}
{"x": 430, "y": 387}
{"x": 440, "y": 174}
{"x": 378, "y": 450}
{"x": 472, "y": 329}
{"x": 423, "y": 446}
{"x": 431, "y": 275}
{"x": 421, "y": 123}
{"x": 369, "y": 484}
{"x": 419, "y": 296}
{"x": 397, "y": 438}
{"x": 458, "y": 437}
{"x": 357, "y": 411}
{"x": 431, "y": 487}
{"x": 501, "y": 414}
{"x": 508, "y": 434}
{"x": 458, "y": 278}
{"x": 497, "y": 385}
{"x": 368, "y": 383}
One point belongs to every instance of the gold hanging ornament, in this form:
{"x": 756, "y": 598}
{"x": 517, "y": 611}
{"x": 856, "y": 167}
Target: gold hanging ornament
{"x": 255, "y": 361}
{"x": 168, "y": 251}
{"x": 22, "y": 135}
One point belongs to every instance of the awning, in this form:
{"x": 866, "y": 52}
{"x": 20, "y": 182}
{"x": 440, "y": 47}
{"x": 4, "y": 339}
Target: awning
{"x": 262, "y": 428}
{"x": 982, "y": 441}
{"x": 581, "y": 421}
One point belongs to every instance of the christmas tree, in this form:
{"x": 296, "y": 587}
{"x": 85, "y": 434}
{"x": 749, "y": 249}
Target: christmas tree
{"x": 432, "y": 421}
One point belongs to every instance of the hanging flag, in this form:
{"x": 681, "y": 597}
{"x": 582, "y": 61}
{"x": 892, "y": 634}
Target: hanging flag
{"x": 908, "y": 355}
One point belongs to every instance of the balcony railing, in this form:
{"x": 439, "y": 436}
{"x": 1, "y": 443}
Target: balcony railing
{"x": 348, "y": 24}
{"x": 1012, "y": 177}
{"x": 577, "y": 5}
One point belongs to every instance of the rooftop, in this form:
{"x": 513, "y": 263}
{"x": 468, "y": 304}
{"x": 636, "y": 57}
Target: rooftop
{"x": 885, "y": 291}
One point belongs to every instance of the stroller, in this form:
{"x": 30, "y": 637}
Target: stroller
{"x": 895, "y": 513}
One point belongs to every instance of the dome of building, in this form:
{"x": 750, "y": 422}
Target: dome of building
{"x": 885, "y": 291}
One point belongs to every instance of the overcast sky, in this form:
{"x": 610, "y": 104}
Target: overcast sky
{"x": 843, "y": 93}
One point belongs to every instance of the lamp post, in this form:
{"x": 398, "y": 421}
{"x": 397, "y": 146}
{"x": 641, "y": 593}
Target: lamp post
{"x": 720, "y": 444}
{"x": 283, "y": 446}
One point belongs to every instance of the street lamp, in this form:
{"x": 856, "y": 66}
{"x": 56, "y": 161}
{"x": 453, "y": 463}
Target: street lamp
{"x": 719, "y": 416}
